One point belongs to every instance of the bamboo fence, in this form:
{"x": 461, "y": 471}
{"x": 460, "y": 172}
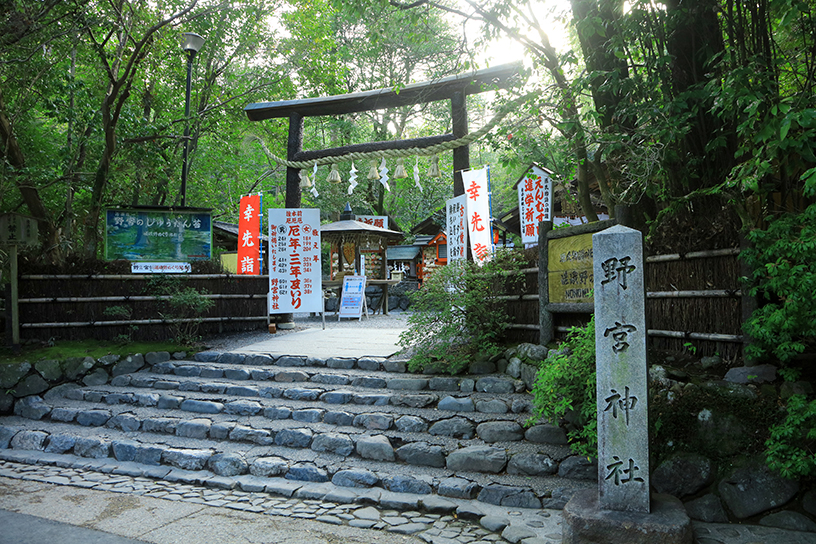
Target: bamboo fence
{"x": 108, "y": 306}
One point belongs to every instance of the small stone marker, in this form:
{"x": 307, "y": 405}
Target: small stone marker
{"x": 620, "y": 355}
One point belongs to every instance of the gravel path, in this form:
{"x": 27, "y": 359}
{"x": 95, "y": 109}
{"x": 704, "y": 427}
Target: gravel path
{"x": 233, "y": 341}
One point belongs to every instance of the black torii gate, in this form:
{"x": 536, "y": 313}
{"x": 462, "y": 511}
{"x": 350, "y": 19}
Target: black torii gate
{"x": 454, "y": 88}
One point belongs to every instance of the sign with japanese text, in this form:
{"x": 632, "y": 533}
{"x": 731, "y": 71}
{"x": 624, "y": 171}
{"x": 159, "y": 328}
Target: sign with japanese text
{"x": 374, "y": 220}
{"x": 353, "y": 297}
{"x": 477, "y": 193}
{"x": 249, "y": 235}
{"x": 295, "y": 283}
{"x": 17, "y": 229}
{"x": 160, "y": 268}
{"x": 621, "y": 371}
{"x": 157, "y": 235}
{"x": 457, "y": 227}
{"x": 570, "y": 269}
{"x": 535, "y": 203}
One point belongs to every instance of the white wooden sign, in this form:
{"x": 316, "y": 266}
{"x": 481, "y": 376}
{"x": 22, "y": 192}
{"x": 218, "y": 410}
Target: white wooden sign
{"x": 457, "y": 227}
{"x": 295, "y": 283}
{"x": 535, "y": 203}
{"x": 160, "y": 268}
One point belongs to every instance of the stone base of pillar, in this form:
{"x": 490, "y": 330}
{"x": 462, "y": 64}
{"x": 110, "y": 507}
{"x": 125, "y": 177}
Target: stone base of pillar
{"x": 584, "y": 523}
{"x": 286, "y": 326}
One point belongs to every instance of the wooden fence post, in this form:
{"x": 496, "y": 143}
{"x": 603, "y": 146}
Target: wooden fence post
{"x": 545, "y": 318}
{"x": 748, "y": 304}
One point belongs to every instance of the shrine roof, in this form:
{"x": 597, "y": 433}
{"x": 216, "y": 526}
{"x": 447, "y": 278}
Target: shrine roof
{"x": 402, "y": 253}
{"x": 356, "y": 227}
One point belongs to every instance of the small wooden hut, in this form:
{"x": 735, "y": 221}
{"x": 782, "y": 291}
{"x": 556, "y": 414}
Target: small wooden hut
{"x": 357, "y": 246}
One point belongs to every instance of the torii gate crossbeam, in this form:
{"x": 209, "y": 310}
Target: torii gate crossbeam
{"x": 454, "y": 88}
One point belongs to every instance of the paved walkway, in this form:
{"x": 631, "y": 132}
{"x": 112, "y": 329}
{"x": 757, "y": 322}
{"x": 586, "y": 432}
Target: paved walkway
{"x": 360, "y": 341}
{"x": 33, "y": 512}
{"x": 47, "y": 505}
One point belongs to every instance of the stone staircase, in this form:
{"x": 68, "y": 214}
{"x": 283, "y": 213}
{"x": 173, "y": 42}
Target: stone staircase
{"x": 340, "y": 429}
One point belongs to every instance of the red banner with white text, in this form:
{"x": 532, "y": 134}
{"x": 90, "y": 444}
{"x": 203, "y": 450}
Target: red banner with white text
{"x": 249, "y": 235}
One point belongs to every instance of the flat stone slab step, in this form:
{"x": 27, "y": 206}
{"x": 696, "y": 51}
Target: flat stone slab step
{"x": 262, "y": 359}
{"x": 319, "y": 431}
{"x": 152, "y": 410}
{"x": 270, "y": 474}
{"x": 331, "y": 394}
{"x": 432, "y": 521}
{"x": 365, "y": 378}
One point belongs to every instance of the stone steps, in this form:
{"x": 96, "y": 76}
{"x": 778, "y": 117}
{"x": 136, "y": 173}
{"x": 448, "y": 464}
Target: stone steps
{"x": 353, "y": 424}
{"x": 276, "y": 470}
{"x": 347, "y": 390}
{"x": 501, "y": 391}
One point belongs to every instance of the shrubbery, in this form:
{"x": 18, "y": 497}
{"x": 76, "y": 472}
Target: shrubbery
{"x": 457, "y": 315}
{"x": 783, "y": 259}
{"x": 790, "y": 448}
{"x": 565, "y": 389}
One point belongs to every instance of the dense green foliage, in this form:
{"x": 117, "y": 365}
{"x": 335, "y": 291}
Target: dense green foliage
{"x": 694, "y": 113}
{"x": 92, "y": 101}
{"x": 790, "y": 448}
{"x": 564, "y": 389}
{"x": 783, "y": 259}
{"x": 457, "y": 317}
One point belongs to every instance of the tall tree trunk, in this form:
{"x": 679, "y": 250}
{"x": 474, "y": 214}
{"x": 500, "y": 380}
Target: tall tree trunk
{"x": 100, "y": 180}
{"x": 13, "y": 154}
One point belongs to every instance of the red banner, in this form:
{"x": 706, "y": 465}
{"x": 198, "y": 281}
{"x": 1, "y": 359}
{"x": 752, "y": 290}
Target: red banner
{"x": 249, "y": 233}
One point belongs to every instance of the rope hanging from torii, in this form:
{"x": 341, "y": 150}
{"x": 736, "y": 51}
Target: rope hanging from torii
{"x": 434, "y": 149}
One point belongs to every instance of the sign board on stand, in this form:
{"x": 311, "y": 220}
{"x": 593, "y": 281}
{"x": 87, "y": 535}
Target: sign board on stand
{"x": 295, "y": 283}
{"x": 457, "y": 227}
{"x": 535, "y": 203}
{"x": 352, "y": 300}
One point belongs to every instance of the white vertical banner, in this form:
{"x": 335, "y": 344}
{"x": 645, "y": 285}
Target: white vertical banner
{"x": 457, "y": 227}
{"x": 477, "y": 192}
{"x": 295, "y": 283}
{"x": 535, "y": 203}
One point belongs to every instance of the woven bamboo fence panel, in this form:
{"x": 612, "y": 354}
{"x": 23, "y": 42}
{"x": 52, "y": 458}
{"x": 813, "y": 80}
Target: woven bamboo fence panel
{"x": 103, "y": 307}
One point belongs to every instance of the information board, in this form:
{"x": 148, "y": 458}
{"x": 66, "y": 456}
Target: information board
{"x": 570, "y": 269}
{"x": 295, "y": 283}
{"x": 157, "y": 235}
{"x": 352, "y": 301}
{"x": 535, "y": 203}
{"x": 457, "y": 227}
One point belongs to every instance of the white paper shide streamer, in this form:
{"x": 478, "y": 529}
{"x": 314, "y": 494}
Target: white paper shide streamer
{"x": 416, "y": 175}
{"x": 352, "y": 178}
{"x": 314, "y": 192}
{"x": 384, "y": 175}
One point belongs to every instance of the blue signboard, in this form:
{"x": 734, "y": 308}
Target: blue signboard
{"x": 157, "y": 235}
